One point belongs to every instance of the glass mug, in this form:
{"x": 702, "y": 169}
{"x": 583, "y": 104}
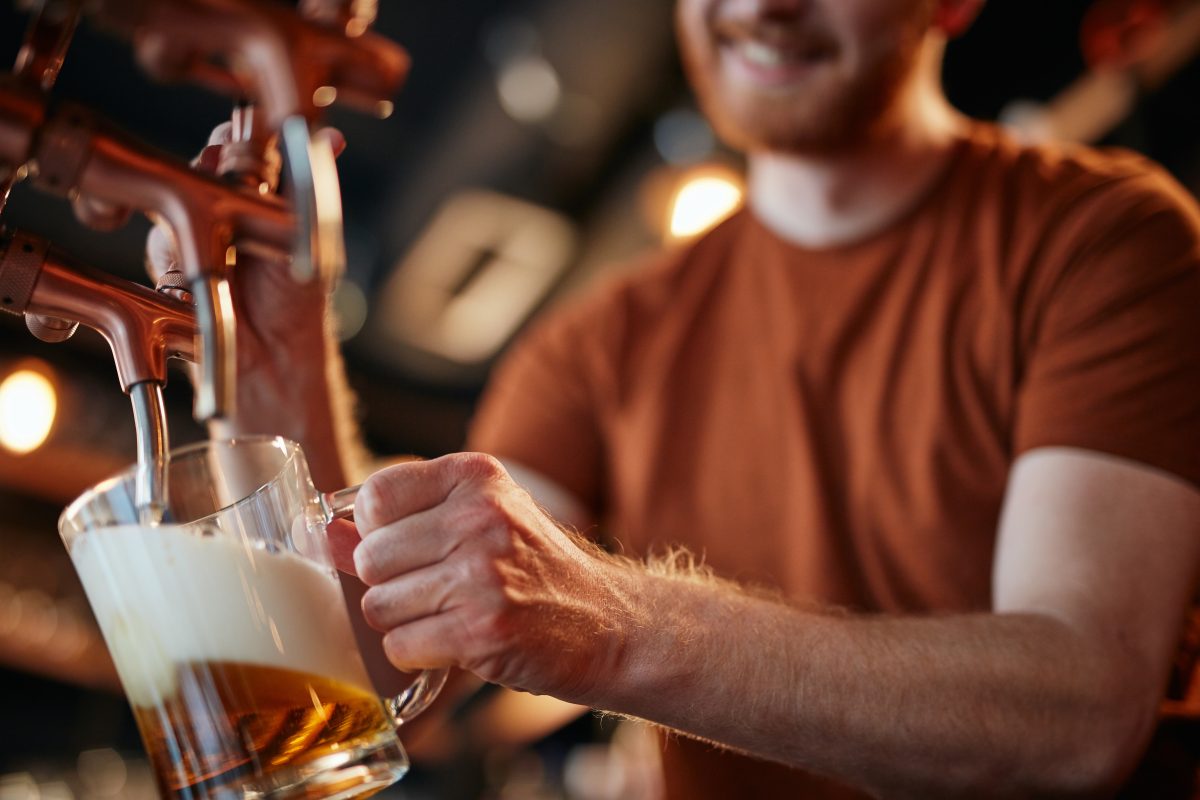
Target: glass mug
{"x": 229, "y": 630}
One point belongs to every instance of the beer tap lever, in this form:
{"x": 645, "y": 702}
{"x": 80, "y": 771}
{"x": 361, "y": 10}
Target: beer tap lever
{"x": 320, "y": 247}
{"x": 284, "y": 62}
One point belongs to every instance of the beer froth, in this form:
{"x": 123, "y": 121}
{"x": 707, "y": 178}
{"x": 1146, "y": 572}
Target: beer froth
{"x": 166, "y": 597}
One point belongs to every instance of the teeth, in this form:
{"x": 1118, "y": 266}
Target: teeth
{"x": 761, "y": 54}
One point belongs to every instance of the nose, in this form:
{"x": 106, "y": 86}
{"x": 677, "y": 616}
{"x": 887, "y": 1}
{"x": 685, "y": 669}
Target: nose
{"x": 768, "y": 9}
{"x": 789, "y": 8}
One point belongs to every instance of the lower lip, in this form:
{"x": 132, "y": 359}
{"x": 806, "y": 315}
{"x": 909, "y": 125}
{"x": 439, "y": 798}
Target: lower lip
{"x": 776, "y": 76}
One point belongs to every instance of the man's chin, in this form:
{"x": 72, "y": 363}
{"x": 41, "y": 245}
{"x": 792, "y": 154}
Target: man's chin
{"x": 795, "y": 135}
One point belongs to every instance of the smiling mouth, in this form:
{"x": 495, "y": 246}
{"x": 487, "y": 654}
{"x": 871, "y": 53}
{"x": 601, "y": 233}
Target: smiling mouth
{"x": 773, "y": 64}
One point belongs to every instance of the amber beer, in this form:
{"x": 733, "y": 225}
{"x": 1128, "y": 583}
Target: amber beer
{"x": 226, "y": 717}
{"x": 239, "y": 662}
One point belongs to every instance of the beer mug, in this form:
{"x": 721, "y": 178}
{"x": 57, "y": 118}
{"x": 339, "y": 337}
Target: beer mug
{"x": 230, "y": 633}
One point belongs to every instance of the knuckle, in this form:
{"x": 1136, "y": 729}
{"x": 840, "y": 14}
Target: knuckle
{"x": 479, "y": 465}
{"x": 481, "y": 511}
{"x": 494, "y": 628}
{"x": 367, "y": 562}
{"x": 479, "y": 570}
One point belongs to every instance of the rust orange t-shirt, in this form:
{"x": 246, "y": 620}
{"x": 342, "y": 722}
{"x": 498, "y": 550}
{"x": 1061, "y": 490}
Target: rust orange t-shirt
{"x": 840, "y": 423}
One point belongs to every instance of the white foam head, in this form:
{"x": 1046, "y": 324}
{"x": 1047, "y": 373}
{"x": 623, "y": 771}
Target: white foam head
{"x": 164, "y": 596}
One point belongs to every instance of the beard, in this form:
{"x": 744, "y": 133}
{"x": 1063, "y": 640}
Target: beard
{"x": 838, "y": 105}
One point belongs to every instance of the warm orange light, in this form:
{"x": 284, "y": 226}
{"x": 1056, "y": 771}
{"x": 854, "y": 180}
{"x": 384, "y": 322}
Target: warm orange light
{"x": 701, "y": 202}
{"x": 28, "y": 406}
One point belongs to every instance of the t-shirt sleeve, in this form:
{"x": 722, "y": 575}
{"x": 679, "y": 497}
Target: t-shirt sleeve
{"x": 1114, "y": 360}
{"x": 541, "y": 408}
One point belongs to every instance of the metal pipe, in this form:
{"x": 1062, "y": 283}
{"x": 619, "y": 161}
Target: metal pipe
{"x": 150, "y": 422}
{"x": 266, "y": 52}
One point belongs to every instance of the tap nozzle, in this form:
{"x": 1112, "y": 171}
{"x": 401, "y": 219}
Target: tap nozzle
{"x": 150, "y": 423}
{"x": 143, "y": 328}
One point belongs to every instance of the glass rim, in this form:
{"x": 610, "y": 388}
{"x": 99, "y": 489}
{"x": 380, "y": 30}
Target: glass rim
{"x": 130, "y": 473}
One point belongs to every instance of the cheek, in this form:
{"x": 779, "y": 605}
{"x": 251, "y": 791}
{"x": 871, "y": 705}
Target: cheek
{"x": 691, "y": 28}
{"x": 869, "y": 22}
{"x": 696, "y": 45}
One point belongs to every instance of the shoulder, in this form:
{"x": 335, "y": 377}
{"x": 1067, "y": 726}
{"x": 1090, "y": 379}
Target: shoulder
{"x": 1071, "y": 182}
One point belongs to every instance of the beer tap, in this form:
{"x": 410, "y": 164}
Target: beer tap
{"x": 38, "y": 63}
{"x": 143, "y": 327}
{"x": 79, "y": 156}
{"x": 54, "y": 296}
{"x": 290, "y": 66}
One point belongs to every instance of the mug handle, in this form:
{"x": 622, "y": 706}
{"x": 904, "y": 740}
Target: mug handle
{"x": 417, "y": 697}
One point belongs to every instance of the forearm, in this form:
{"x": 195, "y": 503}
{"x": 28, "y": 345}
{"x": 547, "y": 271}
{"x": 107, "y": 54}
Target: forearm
{"x": 1003, "y": 704}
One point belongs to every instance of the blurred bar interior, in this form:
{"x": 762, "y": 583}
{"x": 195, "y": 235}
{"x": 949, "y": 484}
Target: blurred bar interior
{"x": 536, "y": 146}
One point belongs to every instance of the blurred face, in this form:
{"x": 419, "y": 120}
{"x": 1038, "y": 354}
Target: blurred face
{"x": 801, "y": 76}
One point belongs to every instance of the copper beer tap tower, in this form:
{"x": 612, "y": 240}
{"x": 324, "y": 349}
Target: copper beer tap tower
{"x": 281, "y": 64}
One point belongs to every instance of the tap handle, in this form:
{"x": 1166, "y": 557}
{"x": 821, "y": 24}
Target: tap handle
{"x": 217, "y": 388}
{"x": 320, "y": 250}
{"x": 21, "y": 259}
{"x": 46, "y": 41}
{"x": 286, "y": 62}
